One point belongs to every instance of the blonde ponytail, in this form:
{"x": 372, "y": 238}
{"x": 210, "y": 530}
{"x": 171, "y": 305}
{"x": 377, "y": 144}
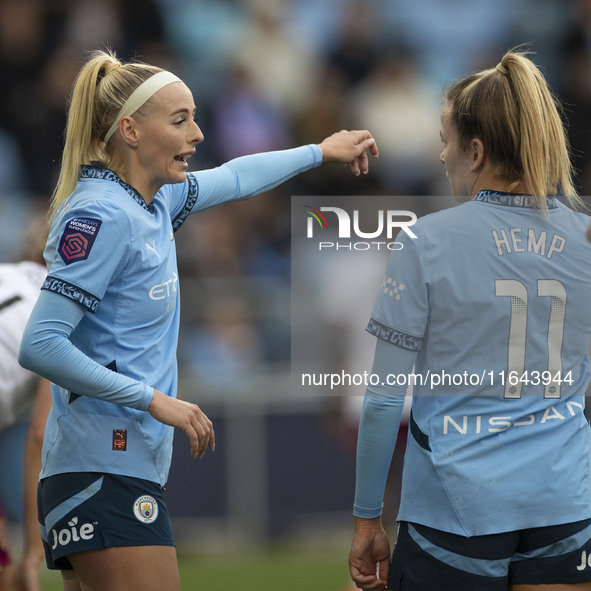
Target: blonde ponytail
{"x": 101, "y": 88}
{"x": 511, "y": 109}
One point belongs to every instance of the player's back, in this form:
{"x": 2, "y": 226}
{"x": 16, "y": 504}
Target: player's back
{"x": 509, "y": 292}
{"x": 505, "y": 352}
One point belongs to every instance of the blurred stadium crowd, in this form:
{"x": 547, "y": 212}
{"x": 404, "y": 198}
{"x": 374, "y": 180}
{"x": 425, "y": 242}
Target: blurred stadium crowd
{"x": 270, "y": 74}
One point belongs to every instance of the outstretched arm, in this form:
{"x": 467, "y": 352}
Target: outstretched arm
{"x": 247, "y": 176}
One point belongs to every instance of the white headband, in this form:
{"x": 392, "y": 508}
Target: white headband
{"x": 140, "y": 95}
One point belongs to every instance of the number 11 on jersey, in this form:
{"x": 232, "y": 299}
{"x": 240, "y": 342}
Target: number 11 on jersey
{"x": 517, "y": 291}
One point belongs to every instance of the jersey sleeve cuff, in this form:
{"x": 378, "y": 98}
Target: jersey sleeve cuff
{"x": 146, "y": 398}
{"x": 366, "y": 513}
{"x": 317, "y": 154}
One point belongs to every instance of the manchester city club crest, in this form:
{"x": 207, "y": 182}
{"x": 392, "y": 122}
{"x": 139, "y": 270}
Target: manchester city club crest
{"x": 145, "y": 509}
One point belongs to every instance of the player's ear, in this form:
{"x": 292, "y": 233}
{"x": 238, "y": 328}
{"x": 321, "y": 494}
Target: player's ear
{"x": 477, "y": 154}
{"x": 128, "y": 130}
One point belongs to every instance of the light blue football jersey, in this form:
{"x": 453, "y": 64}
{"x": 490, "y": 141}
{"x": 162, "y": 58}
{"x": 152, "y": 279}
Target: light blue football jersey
{"x": 115, "y": 256}
{"x": 495, "y": 298}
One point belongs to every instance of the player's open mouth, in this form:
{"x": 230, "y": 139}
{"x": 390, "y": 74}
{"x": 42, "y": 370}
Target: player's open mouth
{"x": 182, "y": 158}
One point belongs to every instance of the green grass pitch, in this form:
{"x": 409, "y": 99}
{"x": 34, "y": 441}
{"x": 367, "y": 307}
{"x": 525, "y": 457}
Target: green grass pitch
{"x": 285, "y": 569}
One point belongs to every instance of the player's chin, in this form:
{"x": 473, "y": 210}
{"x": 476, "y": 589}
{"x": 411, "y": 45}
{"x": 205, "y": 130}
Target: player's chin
{"x": 177, "y": 176}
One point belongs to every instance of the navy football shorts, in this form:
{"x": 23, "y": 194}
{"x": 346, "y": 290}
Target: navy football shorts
{"x": 426, "y": 558}
{"x": 92, "y": 511}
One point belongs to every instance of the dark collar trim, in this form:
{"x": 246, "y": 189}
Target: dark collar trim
{"x": 192, "y": 194}
{"x": 92, "y": 171}
{"x": 512, "y": 199}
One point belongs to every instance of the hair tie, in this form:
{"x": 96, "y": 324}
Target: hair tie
{"x": 106, "y": 70}
{"x": 502, "y": 69}
{"x": 140, "y": 95}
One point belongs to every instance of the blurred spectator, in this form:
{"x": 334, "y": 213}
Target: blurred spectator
{"x": 283, "y": 68}
{"x": 223, "y": 350}
{"x": 11, "y": 166}
{"x": 403, "y": 107}
{"x": 21, "y": 58}
{"x": 243, "y": 120}
{"x": 575, "y": 90}
{"x": 41, "y": 47}
{"x": 204, "y": 34}
{"x": 450, "y": 38}
{"x": 356, "y": 51}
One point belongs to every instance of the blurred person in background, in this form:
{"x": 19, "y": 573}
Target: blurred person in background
{"x": 575, "y": 90}
{"x": 263, "y": 125}
{"x": 24, "y": 398}
{"x": 41, "y": 46}
{"x": 105, "y": 327}
{"x": 281, "y": 67}
{"x": 396, "y": 97}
